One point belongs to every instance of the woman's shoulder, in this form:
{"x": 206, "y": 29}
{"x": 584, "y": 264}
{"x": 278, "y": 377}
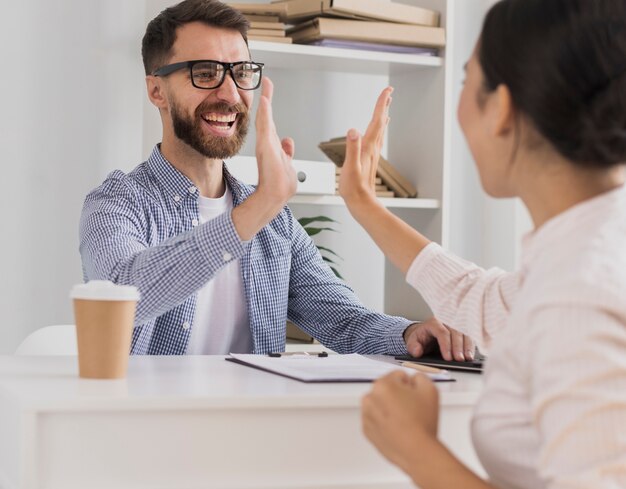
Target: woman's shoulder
{"x": 592, "y": 270}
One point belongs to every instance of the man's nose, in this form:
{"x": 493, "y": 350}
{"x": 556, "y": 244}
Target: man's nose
{"x": 228, "y": 91}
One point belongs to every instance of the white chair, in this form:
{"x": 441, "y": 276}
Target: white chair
{"x": 50, "y": 340}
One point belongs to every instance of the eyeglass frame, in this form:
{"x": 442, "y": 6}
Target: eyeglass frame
{"x": 228, "y": 67}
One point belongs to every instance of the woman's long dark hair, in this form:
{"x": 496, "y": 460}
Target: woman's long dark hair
{"x": 564, "y": 62}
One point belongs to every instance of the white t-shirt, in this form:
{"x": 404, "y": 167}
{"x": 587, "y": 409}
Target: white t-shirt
{"x": 221, "y": 324}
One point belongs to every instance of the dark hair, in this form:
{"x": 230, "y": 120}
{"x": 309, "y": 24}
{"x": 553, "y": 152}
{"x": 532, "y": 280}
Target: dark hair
{"x": 564, "y": 62}
{"x": 161, "y": 31}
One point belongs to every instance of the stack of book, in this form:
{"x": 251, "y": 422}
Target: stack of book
{"x": 265, "y": 21}
{"x": 392, "y": 182}
{"x": 359, "y": 24}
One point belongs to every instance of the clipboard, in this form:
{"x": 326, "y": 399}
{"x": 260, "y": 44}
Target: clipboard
{"x": 332, "y": 368}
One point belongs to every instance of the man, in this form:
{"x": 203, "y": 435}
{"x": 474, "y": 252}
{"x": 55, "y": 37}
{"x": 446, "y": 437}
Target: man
{"x": 221, "y": 265}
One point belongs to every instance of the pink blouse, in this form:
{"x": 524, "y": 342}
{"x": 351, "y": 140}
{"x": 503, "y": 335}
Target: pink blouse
{"x": 553, "y": 412}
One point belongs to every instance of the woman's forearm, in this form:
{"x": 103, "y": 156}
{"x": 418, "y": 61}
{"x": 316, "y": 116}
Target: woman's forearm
{"x": 438, "y": 468}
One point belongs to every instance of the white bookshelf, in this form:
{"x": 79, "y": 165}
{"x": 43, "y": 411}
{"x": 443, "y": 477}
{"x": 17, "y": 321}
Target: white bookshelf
{"x": 391, "y": 203}
{"x": 299, "y": 56}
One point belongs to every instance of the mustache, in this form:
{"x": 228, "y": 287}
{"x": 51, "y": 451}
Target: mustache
{"x": 221, "y": 107}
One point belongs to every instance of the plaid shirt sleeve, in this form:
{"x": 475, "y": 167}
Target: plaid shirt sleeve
{"x": 113, "y": 243}
{"x": 327, "y": 309}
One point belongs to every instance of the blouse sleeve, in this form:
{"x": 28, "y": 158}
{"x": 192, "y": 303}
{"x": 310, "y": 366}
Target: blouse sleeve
{"x": 462, "y": 295}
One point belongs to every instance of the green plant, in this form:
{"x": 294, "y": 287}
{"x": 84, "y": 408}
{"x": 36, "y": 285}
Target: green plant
{"x": 310, "y": 225}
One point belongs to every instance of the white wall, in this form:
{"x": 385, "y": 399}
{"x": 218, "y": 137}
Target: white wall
{"x": 72, "y": 89}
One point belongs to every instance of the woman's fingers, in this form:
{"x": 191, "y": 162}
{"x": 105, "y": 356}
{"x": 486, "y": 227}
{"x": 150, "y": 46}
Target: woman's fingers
{"x": 376, "y": 128}
{"x": 352, "y": 161}
{"x": 289, "y": 147}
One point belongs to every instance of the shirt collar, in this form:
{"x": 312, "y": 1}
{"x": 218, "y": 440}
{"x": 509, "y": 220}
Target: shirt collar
{"x": 178, "y": 186}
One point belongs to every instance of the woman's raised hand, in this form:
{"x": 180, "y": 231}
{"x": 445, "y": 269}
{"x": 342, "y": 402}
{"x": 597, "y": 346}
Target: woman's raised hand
{"x": 358, "y": 174}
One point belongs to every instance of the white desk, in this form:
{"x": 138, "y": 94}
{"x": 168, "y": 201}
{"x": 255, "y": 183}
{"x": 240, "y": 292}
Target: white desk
{"x": 195, "y": 422}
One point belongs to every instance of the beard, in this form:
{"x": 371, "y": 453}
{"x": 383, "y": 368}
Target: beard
{"x": 189, "y": 130}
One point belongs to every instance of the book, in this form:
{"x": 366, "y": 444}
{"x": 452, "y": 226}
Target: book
{"x": 262, "y": 18}
{"x": 300, "y": 10}
{"x": 265, "y": 32}
{"x": 279, "y": 10}
{"x": 357, "y": 30}
{"x": 274, "y": 26}
{"x": 284, "y": 40}
{"x": 335, "y": 150}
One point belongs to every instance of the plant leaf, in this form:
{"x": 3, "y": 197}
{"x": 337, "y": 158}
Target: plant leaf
{"x": 336, "y": 272}
{"x": 328, "y": 260}
{"x": 328, "y": 250}
{"x": 314, "y": 231}
{"x": 305, "y": 221}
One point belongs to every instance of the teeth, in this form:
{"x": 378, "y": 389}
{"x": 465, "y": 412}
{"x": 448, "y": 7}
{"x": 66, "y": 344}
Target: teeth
{"x": 220, "y": 117}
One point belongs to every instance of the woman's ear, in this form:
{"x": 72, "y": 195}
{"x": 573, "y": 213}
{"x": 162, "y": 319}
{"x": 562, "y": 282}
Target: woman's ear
{"x": 156, "y": 92}
{"x": 502, "y": 111}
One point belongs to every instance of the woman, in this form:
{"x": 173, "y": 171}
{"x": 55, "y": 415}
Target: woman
{"x": 544, "y": 112}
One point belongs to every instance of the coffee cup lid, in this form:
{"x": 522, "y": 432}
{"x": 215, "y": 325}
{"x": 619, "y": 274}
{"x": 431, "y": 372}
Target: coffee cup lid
{"x": 104, "y": 290}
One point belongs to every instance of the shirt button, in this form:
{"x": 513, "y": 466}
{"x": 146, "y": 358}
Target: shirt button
{"x": 186, "y": 326}
{"x": 227, "y": 256}
{"x": 194, "y": 222}
{"x": 192, "y": 189}
{"x": 176, "y": 198}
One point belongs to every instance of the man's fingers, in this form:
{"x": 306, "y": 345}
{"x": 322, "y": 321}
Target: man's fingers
{"x": 458, "y": 348}
{"x": 417, "y": 349}
{"x": 264, "y": 121}
{"x": 444, "y": 341}
{"x": 469, "y": 347}
{"x": 289, "y": 147}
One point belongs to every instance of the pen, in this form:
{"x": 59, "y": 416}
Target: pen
{"x": 424, "y": 368}
{"x": 306, "y": 353}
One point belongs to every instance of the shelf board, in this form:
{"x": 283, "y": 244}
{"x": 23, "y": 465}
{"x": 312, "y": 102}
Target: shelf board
{"x": 386, "y": 201}
{"x": 319, "y": 58}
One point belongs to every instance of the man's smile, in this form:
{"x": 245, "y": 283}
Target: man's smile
{"x": 219, "y": 123}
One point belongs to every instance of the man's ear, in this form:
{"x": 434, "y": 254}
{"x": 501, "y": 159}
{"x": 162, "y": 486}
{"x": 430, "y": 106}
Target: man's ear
{"x": 502, "y": 111}
{"x": 156, "y": 91}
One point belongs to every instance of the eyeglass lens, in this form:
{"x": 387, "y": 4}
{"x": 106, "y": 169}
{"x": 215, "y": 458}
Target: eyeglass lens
{"x": 210, "y": 75}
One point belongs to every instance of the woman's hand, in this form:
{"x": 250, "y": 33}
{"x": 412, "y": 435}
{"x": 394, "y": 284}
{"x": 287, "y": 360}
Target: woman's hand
{"x": 358, "y": 174}
{"x": 400, "y": 416}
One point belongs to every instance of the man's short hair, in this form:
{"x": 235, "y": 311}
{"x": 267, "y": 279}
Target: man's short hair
{"x": 161, "y": 31}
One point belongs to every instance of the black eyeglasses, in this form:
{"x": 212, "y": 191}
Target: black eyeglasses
{"x": 207, "y": 74}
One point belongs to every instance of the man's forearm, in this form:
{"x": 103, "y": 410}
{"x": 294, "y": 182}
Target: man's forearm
{"x": 166, "y": 273}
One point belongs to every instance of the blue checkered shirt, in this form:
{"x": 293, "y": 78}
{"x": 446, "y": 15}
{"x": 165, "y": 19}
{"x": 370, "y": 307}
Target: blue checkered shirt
{"x": 141, "y": 229}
